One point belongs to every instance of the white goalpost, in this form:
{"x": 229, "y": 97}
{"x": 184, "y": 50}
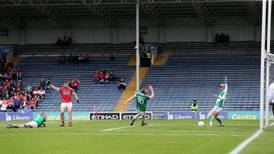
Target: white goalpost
{"x": 137, "y": 47}
{"x": 266, "y": 59}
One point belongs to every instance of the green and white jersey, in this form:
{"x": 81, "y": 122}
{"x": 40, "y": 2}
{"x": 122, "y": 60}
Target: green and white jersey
{"x": 221, "y": 98}
{"x": 141, "y": 101}
{"x": 40, "y": 120}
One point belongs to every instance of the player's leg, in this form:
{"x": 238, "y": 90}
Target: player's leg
{"x": 218, "y": 119}
{"x": 31, "y": 124}
{"x": 15, "y": 126}
{"x": 211, "y": 116}
{"x": 135, "y": 118}
{"x": 62, "y": 114}
{"x": 143, "y": 119}
{"x": 69, "y": 106}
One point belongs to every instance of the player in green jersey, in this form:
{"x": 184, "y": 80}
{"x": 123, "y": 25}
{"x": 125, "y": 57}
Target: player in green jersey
{"x": 142, "y": 97}
{"x": 39, "y": 121}
{"x": 219, "y": 105}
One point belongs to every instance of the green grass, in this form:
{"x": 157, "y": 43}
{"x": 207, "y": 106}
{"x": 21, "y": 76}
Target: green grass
{"x": 163, "y": 137}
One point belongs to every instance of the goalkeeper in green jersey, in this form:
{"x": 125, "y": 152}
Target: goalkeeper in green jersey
{"x": 219, "y": 105}
{"x": 142, "y": 97}
{"x": 39, "y": 121}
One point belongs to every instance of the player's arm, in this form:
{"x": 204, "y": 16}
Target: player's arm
{"x": 226, "y": 85}
{"x": 152, "y": 92}
{"x": 76, "y": 97}
{"x": 54, "y": 88}
{"x": 129, "y": 99}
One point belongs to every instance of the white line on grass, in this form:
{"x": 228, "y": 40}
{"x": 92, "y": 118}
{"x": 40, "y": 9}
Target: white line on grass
{"x": 240, "y": 147}
{"x": 117, "y": 133}
{"x": 117, "y": 128}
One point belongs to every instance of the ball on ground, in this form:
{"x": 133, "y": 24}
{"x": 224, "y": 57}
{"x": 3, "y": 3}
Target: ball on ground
{"x": 201, "y": 124}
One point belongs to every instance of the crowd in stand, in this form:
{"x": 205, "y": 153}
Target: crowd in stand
{"x": 103, "y": 76}
{"x": 222, "y": 38}
{"x": 74, "y": 58}
{"x": 66, "y": 41}
{"x": 13, "y": 95}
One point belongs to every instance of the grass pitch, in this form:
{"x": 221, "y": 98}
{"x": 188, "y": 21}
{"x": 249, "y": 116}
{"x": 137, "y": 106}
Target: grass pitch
{"x": 116, "y": 137}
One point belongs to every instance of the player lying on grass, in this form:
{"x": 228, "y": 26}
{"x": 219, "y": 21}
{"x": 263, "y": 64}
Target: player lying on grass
{"x": 142, "y": 97}
{"x": 66, "y": 102}
{"x": 39, "y": 121}
{"x": 219, "y": 105}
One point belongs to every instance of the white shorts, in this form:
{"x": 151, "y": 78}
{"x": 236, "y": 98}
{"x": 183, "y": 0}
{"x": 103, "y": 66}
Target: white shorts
{"x": 141, "y": 112}
{"x": 32, "y": 124}
{"x": 215, "y": 110}
{"x": 66, "y": 105}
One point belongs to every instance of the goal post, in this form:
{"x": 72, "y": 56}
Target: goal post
{"x": 266, "y": 60}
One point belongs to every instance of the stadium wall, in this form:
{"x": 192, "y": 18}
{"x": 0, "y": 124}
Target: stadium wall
{"x": 188, "y": 30}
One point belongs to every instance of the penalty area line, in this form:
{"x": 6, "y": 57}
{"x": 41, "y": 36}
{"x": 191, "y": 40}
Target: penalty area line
{"x": 117, "y": 128}
{"x": 241, "y": 146}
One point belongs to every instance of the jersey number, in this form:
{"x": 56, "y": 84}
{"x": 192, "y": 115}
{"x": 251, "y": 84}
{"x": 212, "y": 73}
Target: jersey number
{"x": 141, "y": 101}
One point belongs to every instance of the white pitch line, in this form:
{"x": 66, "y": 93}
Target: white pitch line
{"x": 117, "y": 128}
{"x": 241, "y": 146}
{"x": 117, "y": 133}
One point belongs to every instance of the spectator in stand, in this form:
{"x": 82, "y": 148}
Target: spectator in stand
{"x": 10, "y": 104}
{"x": 96, "y": 76}
{"x": 32, "y": 104}
{"x": 16, "y": 102}
{"x": 122, "y": 85}
{"x": 1, "y": 77}
{"x": 194, "y": 106}
{"x": 70, "y": 84}
{"x": 106, "y": 77}
{"x": 48, "y": 82}
{"x": 18, "y": 73}
{"x": 2, "y": 66}
{"x": 62, "y": 58}
{"x": 1, "y": 102}
{"x": 4, "y": 105}
{"x": 43, "y": 83}
{"x": 29, "y": 88}
{"x": 102, "y": 76}
{"x": 13, "y": 71}
{"x": 10, "y": 65}
{"x": 111, "y": 76}
{"x": 35, "y": 91}
{"x": 9, "y": 74}
{"x": 75, "y": 84}
{"x": 41, "y": 93}
{"x": 19, "y": 86}
{"x": 24, "y": 103}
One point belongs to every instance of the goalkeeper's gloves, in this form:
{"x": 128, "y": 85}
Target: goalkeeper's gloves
{"x": 77, "y": 101}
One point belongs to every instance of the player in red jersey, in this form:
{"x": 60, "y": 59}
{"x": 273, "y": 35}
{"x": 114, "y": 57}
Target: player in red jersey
{"x": 66, "y": 101}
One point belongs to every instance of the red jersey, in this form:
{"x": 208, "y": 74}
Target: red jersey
{"x": 75, "y": 83}
{"x": 65, "y": 94}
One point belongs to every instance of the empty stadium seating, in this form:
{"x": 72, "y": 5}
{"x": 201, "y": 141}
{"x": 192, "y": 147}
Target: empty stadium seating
{"x": 182, "y": 80}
